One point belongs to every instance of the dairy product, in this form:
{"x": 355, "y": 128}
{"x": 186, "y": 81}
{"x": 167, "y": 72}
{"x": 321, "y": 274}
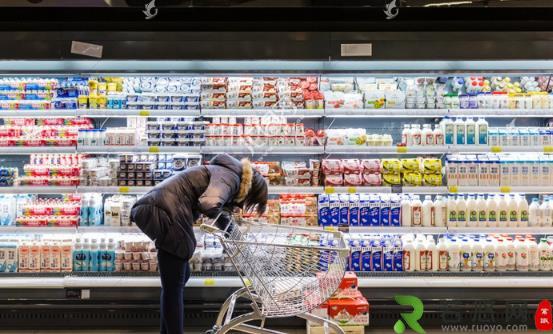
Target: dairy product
{"x": 472, "y": 211}
{"x": 428, "y": 212}
{"x": 465, "y": 251}
{"x": 544, "y": 254}
{"x": 535, "y": 215}
{"x": 443, "y": 255}
{"x": 461, "y": 208}
{"x": 448, "y": 128}
{"x": 521, "y": 257}
{"x": 471, "y": 133}
{"x": 460, "y": 132}
{"x": 533, "y": 255}
{"x": 482, "y": 131}
{"x": 432, "y": 255}
{"x": 416, "y": 211}
{"x": 451, "y": 212}
{"x": 489, "y": 252}
{"x": 440, "y": 211}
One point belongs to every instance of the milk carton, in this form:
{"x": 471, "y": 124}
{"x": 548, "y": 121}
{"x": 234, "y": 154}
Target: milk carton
{"x": 324, "y": 210}
{"x": 66, "y": 264}
{"x": 472, "y": 170}
{"x": 505, "y": 173}
{"x": 3, "y": 257}
{"x": 452, "y": 170}
{"x": 483, "y": 170}
{"x": 34, "y": 258}
{"x": 398, "y": 256}
{"x": 385, "y": 210}
{"x": 366, "y": 256}
{"x": 334, "y": 205}
{"x": 395, "y": 211}
{"x": 376, "y": 256}
{"x": 514, "y": 171}
{"x": 11, "y": 258}
{"x": 364, "y": 209}
{"x": 374, "y": 211}
{"x": 387, "y": 256}
{"x": 44, "y": 257}
{"x": 495, "y": 171}
{"x": 355, "y": 259}
{"x": 24, "y": 257}
{"x": 354, "y": 210}
{"x": 344, "y": 209}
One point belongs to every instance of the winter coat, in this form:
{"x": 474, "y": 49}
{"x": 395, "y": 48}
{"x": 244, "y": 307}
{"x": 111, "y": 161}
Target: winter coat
{"x": 166, "y": 213}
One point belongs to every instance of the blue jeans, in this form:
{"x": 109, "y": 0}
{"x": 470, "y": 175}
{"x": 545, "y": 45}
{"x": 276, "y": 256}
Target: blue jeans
{"x": 174, "y": 272}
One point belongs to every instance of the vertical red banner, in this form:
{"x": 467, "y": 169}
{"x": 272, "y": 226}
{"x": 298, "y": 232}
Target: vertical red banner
{"x": 542, "y": 318}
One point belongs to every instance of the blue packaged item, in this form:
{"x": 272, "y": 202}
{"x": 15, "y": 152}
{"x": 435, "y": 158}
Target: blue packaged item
{"x": 374, "y": 211}
{"x": 324, "y": 210}
{"x": 398, "y": 257}
{"x": 384, "y": 211}
{"x": 354, "y": 210}
{"x": 388, "y": 256}
{"x": 11, "y": 258}
{"x": 344, "y": 209}
{"x": 376, "y": 256}
{"x": 364, "y": 210}
{"x": 355, "y": 259}
{"x": 395, "y": 211}
{"x": 365, "y": 256}
{"x": 334, "y": 204}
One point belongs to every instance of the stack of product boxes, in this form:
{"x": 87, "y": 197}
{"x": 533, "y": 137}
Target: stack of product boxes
{"x": 347, "y": 307}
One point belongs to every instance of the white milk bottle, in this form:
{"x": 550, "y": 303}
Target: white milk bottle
{"x": 470, "y": 125}
{"x": 534, "y": 213}
{"x": 477, "y": 255}
{"x": 533, "y": 255}
{"x": 440, "y": 211}
{"x": 482, "y": 212}
{"x": 438, "y": 135}
{"x": 460, "y": 132}
{"x": 472, "y": 211}
{"x": 482, "y": 131}
{"x": 406, "y": 138}
{"x": 546, "y": 212}
{"x": 521, "y": 258}
{"x": 448, "y": 128}
{"x": 406, "y": 218}
{"x": 466, "y": 255}
{"x": 543, "y": 251}
{"x": 408, "y": 255}
{"x": 443, "y": 255}
{"x": 454, "y": 259}
{"x": 550, "y": 256}
{"x": 492, "y": 207}
{"x": 416, "y": 211}
{"x": 451, "y": 211}
{"x": 428, "y": 212}
{"x": 501, "y": 256}
{"x": 416, "y": 134}
{"x": 514, "y": 214}
{"x": 420, "y": 254}
{"x": 511, "y": 255}
{"x": 461, "y": 207}
{"x": 489, "y": 256}
{"x": 432, "y": 256}
{"x": 503, "y": 211}
{"x": 523, "y": 208}
{"x": 427, "y": 135}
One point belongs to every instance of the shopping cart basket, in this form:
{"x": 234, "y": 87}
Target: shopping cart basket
{"x": 286, "y": 271}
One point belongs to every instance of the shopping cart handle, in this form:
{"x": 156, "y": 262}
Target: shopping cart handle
{"x": 209, "y": 228}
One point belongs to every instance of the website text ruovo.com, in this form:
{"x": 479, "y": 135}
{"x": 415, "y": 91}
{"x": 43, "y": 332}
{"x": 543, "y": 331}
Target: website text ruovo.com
{"x": 487, "y": 328}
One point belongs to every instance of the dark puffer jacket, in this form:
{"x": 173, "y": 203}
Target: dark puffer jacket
{"x": 167, "y": 212}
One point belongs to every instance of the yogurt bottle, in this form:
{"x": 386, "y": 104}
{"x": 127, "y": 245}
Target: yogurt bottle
{"x": 428, "y": 212}
{"x": 427, "y": 135}
{"x": 533, "y": 255}
{"x": 482, "y": 212}
{"x": 432, "y": 256}
{"x": 451, "y": 211}
{"x": 454, "y": 256}
{"x": 420, "y": 254}
{"x": 492, "y": 208}
{"x": 501, "y": 256}
{"x": 545, "y": 209}
{"x": 511, "y": 255}
{"x": 408, "y": 256}
{"x": 521, "y": 258}
{"x": 472, "y": 211}
{"x": 503, "y": 210}
{"x": 461, "y": 206}
{"x": 522, "y": 208}
{"x": 543, "y": 253}
{"x": 440, "y": 211}
{"x": 534, "y": 213}
{"x": 514, "y": 214}
{"x": 466, "y": 255}
{"x": 416, "y": 134}
{"x": 477, "y": 256}
{"x": 438, "y": 136}
{"x": 416, "y": 211}
{"x": 443, "y": 255}
{"x": 406, "y": 218}
{"x": 489, "y": 256}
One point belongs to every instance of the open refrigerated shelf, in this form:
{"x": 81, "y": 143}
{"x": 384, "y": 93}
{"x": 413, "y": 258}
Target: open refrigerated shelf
{"x": 361, "y": 149}
{"x": 38, "y": 113}
{"x": 264, "y": 150}
{"x": 26, "y": 150}
{"x": 136, "y": 113}
{"x": 137, "y": 149}
{"x": 37, "y": 190}
{"x": 291, "y": 113}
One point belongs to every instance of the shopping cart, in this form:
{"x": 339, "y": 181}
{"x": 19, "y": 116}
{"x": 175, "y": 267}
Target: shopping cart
{"x": 286, "y": 271}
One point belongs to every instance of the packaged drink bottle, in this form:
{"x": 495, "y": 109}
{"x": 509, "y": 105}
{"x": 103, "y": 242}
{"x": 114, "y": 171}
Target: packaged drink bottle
{"x": 477, "y": 255}
{"x": 398, "y": 256}
{"x": 376, "y": 256}
{"x": 503, "y": 211}
{"x": 521, "y": 258}
{"x": 85, "y": 255}
{"x": 482, "y": 131}
{"x": 427, "y": 135}
{"x": 443, "y": 255}
{"x": 489, "y": 256}
{"x": 387, "y": 256}
{"x": 454, "y": 260}
{"x": 543, "y": 251}
{"x": 470, "y": 126}
{"x": 451, "y": 211}
{"x": 440, "y": 211}
{"x": 472, "y": 210}
{"x": 385, "y": 210}
{"x": 448, "y": 128}
{"x": 406, "y": 218}
{"x": 406, "y": 138}
{"x": 102, "y": 249}
{"x": 408, "y": 256}
{"x": 466, "y": 255}
{"x": 93, "y": 262}
{"x": 482, "y": 211}
{"x": 522, "y": 208}
{"x": 110, "y": 256}
{"x": 534, "y": 213}
{"x": 461, "y": 206}
{"x": 492, "y": 207}
{"x": 395, "y": 211}
{"x": 83, "y": 221}
{"x": 420, "y": 254}
{"x": 355, "y": 258}
{"x": 78, "y": 256}
{"x": 428, "y": 212}
{"x": 460, "y": 132}
{"x": 511, "y": 255}
{"x": 514, "y": 214}
{"x": 550, "y": 255}
{"x": 416, "y": 134}
{"x": 416, "y": 211}
{"x": 546, "y": 213}
{"x": 432, "y": 256}
{"x": 501, "y": 256}
{"x": 438, "y": 135}
{"x": 533, "y": 255}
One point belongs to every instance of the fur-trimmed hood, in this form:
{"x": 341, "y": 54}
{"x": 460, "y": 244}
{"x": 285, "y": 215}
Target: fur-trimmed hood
{"x": 242, "y": 168}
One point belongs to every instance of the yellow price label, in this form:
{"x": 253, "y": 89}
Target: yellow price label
{"x": 548, "y": 149}
{"x": 330, "y": 190}
{"x": 124, "y": 189}
{"x": 496, "y": 149}
{"x": 153, "y": 149}
{"x": 209, "y": 282}
{"x": 505, "y": 189}
{"x": 330, "y": 228}
{"x": 352, "y": 190}
{"x": 145, "y": 113}
{"x": 247, "y": 282}
{"x": 453, "y": 189}
{"x": 401, "y": 149}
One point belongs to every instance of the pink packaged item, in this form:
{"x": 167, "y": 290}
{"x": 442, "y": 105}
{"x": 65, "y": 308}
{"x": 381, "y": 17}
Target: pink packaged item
{"x": 334, "y": 180}
{"x": 332, "y": 166}
{"x": 370, "y": 166}
{"x": 353, "y": 180}
{"x": 372, "y": 179}
{"x": 352, "y": 166}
